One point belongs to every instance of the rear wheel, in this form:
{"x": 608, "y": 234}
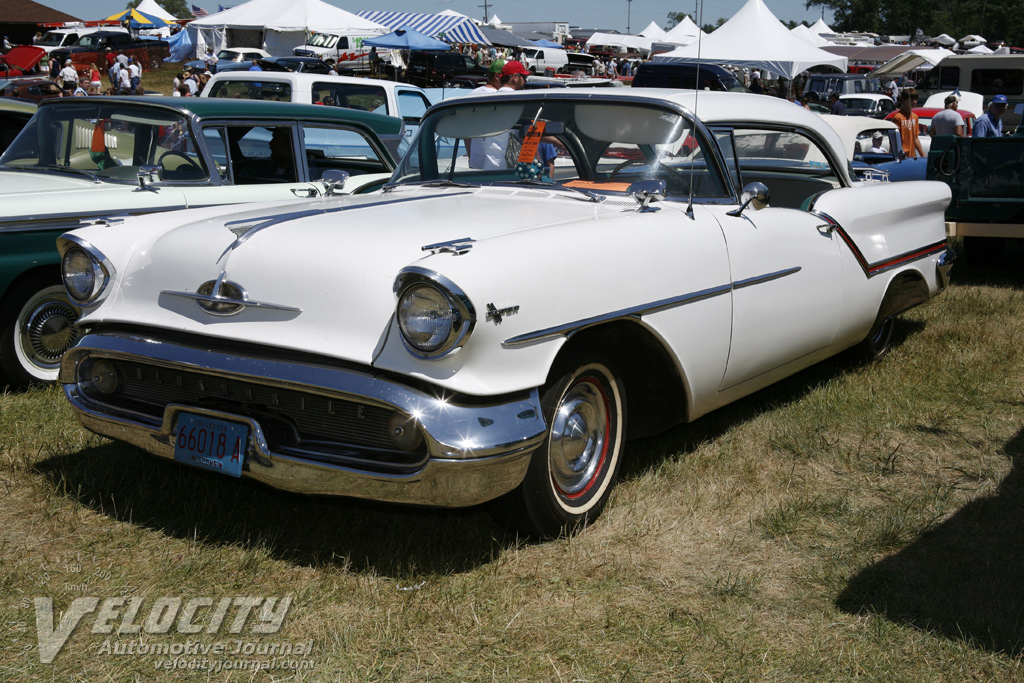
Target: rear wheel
{"x": 877, "y": 345}
{"x": 37, "y": 327}
{"x": 571, "y": 475}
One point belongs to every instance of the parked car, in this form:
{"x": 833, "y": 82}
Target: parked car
{"x": 540, "y": 59}
{"x": 231, "y": 59}
{"x": 483, "y": 341}
{"x": 307, "y": 65}
{"x": 346, "y": 50}
{"x": 665, "y": 75}
{"x": 875, "y": 105}
{"x": 91, "y": 159}
{"x": 14, "y": 114}
{"x": 20, "y": 60}
{"x": 34, "y": 89}
{"x": 91, "y": 49}
{"x": 407, "y": 102}
{"x": 821, "y": 86}
{"x": 433, "y": 69}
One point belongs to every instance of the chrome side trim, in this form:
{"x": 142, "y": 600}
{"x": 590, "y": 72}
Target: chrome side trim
{"x": 569, "y": 329}
{"x": 768, "y": 277}
{"x": 634, "y": 312}
{"x": 477, "y": 450}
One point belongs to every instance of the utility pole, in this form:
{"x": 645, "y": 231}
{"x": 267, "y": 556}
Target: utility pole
{"x": 486, "y": 6}
{"x": 629, "y": 14}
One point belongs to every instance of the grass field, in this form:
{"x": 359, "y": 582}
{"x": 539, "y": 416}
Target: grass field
{"x": 851, "y": 523}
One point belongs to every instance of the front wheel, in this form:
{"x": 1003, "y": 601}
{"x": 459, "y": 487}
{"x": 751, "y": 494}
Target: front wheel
{"x": 37, "y": 325}
{"x": 572, "y": 473}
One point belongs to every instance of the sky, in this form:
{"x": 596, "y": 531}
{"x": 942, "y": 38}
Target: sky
{"x": 603, "y": 14}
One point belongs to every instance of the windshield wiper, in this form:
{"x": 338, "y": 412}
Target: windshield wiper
{"x": 533, "y": 182}
{"x": 68, "y": 169}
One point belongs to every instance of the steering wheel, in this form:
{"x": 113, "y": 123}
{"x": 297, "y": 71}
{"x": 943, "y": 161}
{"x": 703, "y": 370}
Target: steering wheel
{"x": 190, "y": 163}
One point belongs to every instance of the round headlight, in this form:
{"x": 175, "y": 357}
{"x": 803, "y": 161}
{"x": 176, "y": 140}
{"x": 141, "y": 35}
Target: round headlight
{"x": 83, "y": 276}
{"x": 427, "y": 318}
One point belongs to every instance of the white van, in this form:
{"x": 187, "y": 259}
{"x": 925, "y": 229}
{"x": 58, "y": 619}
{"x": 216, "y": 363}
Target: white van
{"x": 987, "y": 75}
{"x": 400, "y": 100}
{"x": 346, "y": 50}
{"x": 537, "y": 59}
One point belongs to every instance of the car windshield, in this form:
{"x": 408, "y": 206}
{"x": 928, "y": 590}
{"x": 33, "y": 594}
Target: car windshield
{"x": 229, "y": 55}
{"x": 52, "y": 39}
{"x": 88, "y": 41}
{"x": 107, "y": 139}
{"x": 864, "y": 103}
{"x": 592, "y": 146}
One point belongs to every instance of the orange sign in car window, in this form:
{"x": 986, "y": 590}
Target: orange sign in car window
{"x": 533, "y": 136}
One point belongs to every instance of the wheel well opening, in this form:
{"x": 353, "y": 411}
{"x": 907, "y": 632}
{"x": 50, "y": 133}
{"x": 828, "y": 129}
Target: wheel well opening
{"x": 655, "y": 391}
{"x": 906, "y": 290}
{"x": 40, "y": 273}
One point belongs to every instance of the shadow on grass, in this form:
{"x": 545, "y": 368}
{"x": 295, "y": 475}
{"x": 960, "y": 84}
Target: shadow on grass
{"x": 645, "y": 454}
{"x": 1004, "y": 273}
{"x": 132, "y": 486}
{"x": 964, "y": 578}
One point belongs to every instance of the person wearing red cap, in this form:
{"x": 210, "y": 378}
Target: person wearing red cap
{"x": 513, "y": 76}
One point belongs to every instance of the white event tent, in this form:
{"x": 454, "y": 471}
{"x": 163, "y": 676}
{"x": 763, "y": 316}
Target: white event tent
{"x": 154, "y": 10}
{"x": 653, "y": 32}
{"x": 804, "y": 33}
{"x": 277, "y": 26}
{"x": 911, "y": 60}
{"x": 755, "y": 38}
{"x": 683, "y": 33}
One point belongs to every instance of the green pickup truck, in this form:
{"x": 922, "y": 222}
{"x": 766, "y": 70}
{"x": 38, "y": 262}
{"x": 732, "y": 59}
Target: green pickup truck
{"x": 986, "y": 176}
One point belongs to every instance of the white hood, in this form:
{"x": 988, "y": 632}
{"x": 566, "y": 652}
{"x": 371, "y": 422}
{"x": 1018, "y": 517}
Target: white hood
{"x": 336, "y": 261}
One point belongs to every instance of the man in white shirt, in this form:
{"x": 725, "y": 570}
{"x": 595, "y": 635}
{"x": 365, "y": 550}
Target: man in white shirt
{"x": 134, "y": 74}
{"x": 948, "y": 121}
{"x": 124, "y": 81}
{"x": 69, "y": 76}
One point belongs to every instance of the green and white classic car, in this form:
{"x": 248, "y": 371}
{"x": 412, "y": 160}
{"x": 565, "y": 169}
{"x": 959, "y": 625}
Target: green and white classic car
{"x": 87, "y": 160}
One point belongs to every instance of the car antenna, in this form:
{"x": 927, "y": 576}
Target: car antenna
{"x": 698, "y": 11}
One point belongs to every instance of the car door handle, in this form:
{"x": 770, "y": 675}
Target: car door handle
{"x": 306, "y": 192}
{"x": 827, "y": 228}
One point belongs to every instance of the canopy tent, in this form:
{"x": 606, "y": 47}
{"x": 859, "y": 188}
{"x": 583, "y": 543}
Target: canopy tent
{"x": 972, "y": 40}
{"x": 819, "y": 27}
{"x": 804, "y": 33}
{"x": 756, "y": 39}
{"x": 944, "y": 39}
{"x": 683, "y": 33}
{"x": 406, "y": 39}
{"x": 451, "y": 28}
{"x": 154, "y": 10}
{"x": 980, "y": 50}
{"x": 495, "y": 21}
{"x": 137, "y": 19}
{"x": 621, "y": 41}
{"x": 277, "y": 26}
{"x": 911, "y": 60}
{"x": 547, "y": 43}
{"x": 653, "y": 32}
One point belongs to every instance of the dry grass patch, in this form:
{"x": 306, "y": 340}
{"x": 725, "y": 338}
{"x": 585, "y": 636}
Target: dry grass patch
{"x": 852, "y": 522}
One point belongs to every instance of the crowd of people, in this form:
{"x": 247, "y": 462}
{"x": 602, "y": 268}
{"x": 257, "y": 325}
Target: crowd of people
{"x": 123, "y": 72}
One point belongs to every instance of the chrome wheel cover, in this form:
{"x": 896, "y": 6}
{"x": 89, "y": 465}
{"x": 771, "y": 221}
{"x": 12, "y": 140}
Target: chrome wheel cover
{"x": 46, "y": 329}
{"x": 579, "y": 442}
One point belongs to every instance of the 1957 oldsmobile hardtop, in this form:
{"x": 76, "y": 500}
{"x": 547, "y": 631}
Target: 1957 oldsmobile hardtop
{"x": 82, "y": 159}
{"x": 476, "y": 332}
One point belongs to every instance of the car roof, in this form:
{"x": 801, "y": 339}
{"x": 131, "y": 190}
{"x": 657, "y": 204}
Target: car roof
{"x": 303, "y": 78}
{"x": 223, "y": 107}
{"x": 14, "y": 104}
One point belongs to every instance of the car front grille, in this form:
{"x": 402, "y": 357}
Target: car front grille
{"x": 295, "y": 422}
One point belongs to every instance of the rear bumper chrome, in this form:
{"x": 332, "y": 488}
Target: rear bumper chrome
{"x": 476, "y": 450}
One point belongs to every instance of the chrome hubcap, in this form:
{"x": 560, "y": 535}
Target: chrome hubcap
{"x": 579, "y": 437}
{"x": 49, "y": 332}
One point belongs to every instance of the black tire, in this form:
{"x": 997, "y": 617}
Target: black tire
{"x": 984, "y": 252}
{"x": 877, "y": 345}
{"x": 37, "y": 327}
{"x": 572, "y": 473}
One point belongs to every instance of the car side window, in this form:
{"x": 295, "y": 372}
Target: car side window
{"x": 412, "y": 105}
{"x": 254, "y": 154}
{"x": 351, "y": 96}
{"x": 791, "y": 164}
{"x": 342, "y": 149}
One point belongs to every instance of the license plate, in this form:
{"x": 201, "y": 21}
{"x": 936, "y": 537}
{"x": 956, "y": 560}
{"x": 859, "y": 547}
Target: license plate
{"x": 211, "y": 444}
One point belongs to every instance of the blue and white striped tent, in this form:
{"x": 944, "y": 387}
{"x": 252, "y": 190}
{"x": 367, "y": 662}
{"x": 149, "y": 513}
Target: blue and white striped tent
{"x": 450, "y": 29}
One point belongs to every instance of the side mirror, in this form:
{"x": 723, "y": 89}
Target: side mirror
{"x": 149, "y": 174}
{"x": 334, "y": 180}
{"x": 645, "y": 192}
{"x": 756, "y": 193}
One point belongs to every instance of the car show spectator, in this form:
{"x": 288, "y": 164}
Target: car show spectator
{"x": 838, "y": 108}
{"x": 493, "y": 79}
{"x": 124, "y": 80}
{"x": 990, "y": 124}
{"x": 95, "y": 81}
{"x": 876, "y": 143}
{"x": 948, "y": 121}
{"x": 909, "y": 125}
{"x": 191, "y": 83}
{"x": 68, "y": 77}
{"x": 211, "y": 60}
{"x": 82, "y": 89}
{"x": 7, "y": 44}
{"x": 134, "y": 73}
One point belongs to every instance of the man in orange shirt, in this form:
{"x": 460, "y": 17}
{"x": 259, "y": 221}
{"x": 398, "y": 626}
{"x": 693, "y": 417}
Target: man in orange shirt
{"x": 908, "y": 124}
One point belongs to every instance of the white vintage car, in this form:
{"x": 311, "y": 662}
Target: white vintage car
{"x": 82, "y": 159}
{"x": 476, "y": 332}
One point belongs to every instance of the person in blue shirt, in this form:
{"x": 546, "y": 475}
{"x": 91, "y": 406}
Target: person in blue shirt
{"x": 838, "y": 108}
{"x": 990, "y": 125}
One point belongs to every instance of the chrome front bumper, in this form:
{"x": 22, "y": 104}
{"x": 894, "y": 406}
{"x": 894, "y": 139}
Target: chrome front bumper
{"x": 477, "y": 450}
